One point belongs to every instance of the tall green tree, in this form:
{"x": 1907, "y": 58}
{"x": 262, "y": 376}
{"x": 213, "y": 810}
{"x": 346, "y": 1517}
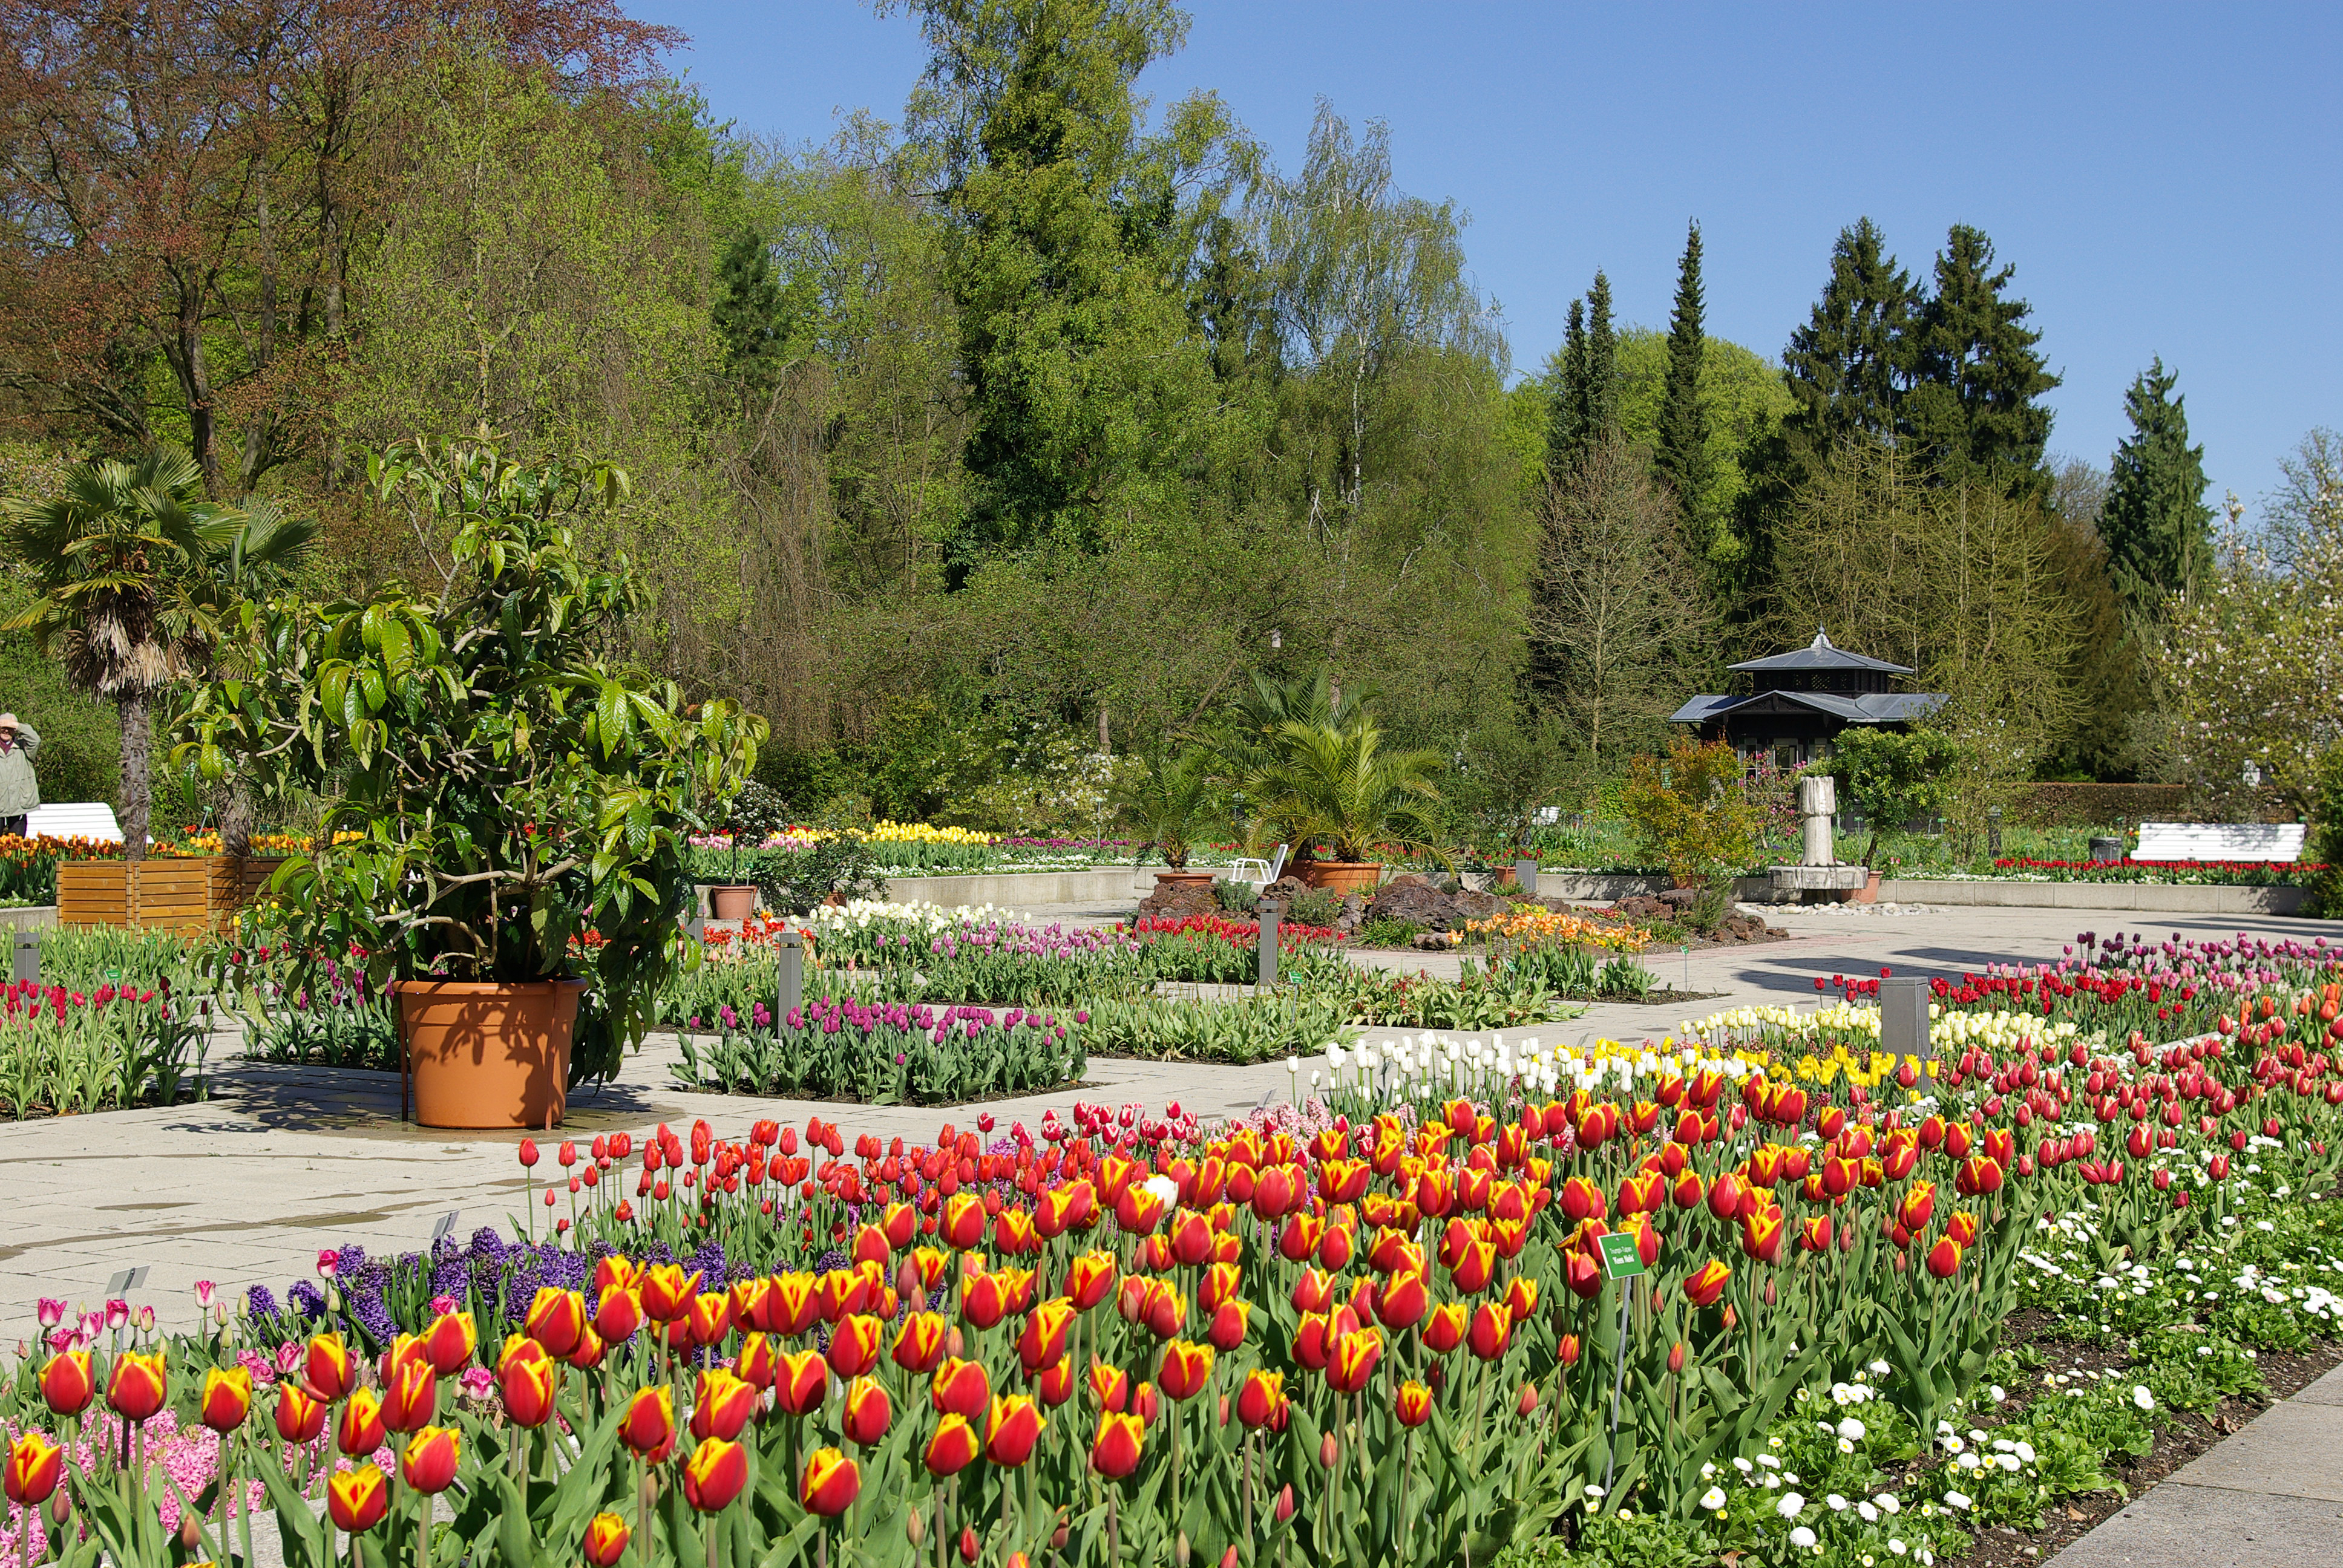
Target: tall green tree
{"x": 1850, "y": 365}
{"x": 2157, "y": 527}
{"x": 1587, "y": 395}
{"x": 1976, "y": 377}
{"x": 756, "y": 318}
{"x": 1680, "y": 458}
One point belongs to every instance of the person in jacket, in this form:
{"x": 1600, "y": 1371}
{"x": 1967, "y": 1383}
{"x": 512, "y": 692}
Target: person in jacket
{"x": 19, "y": 790}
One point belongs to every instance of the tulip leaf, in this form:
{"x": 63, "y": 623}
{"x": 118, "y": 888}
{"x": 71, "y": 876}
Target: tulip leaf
{"x": 300, "y": 1533}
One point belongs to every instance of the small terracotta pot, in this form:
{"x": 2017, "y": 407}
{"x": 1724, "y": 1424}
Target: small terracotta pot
{"x": 489, "y": 1055}
{"x": 1341, "y": 878}
{"x": 731, "y": 902}
{"x": 1867, "y": 894}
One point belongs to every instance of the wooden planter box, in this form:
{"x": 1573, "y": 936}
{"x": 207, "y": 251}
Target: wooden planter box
{"x": 194, "y": 896}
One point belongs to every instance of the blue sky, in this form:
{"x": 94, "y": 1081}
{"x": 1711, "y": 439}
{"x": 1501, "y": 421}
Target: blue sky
{"x": 2164, "y": 178}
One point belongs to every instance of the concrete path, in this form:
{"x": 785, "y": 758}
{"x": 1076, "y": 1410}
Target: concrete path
{"x": 2269, "y": 1497}
{"x": 246, "y": 1187}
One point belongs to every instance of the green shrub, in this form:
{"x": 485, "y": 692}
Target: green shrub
{"x": 1387, "y": 932}
{"x": 1236, "y": 897}
{"x": 1314, "y": 907}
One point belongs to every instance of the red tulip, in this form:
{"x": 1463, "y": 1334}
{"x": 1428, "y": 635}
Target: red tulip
{"x": 326, "y": 1364}
{"x": 1184, "y": 1370}
{"x": 867, "y": 1411}
{"x": 428, "y": 1465}
{"x": 961, "y": 1388}
{"x": 855, "y": 1345}
{"x": 1012, "y": 1426}
{"x": 1703, "y": 1288}
{"x": 830, "y": 1483}
{"x": 1491, "y": 1332}
{"x": 1227, "y": 1328}
{"x": 449, "y": 1342}
{"x": 952, "y": 1447}
{"x": 299, "y": 1418}
{"x": 606, "y": 1540}
{"x": 716, "y": 1474}
{"x": 1115, "y": 1451}
{"x": 138, "y": 1386}
{"x": 1945, "y": 1257}
{"x": 35, "y": 1467}
{"x": 800, "y": 1381}
{"x": 721, "y": 1405}
{"x": 648, "y": 1429}
{"x": 668, "y": 1293}
{"x": 226, "y": 1398}
{"x": 920, "y": 1343}
{"x": 68, "y": 1383}
{"x": 361, "y": 1431}
{"x": 1351, "y": 1361}
{"x": 1413, "y": 1404}
{"x": 1090, "y": 1279}
{"x": 1261, "y": 1398}
{"x": 357, "y": 1499}
{"x": 410, "y": 1396}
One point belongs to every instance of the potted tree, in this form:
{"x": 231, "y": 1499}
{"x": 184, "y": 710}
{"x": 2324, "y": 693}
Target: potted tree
{"x": 1896, "y": 776}
{"x": 1169, "y": 802}
{"x": 1335, "y": 784}
{"x": 757, "y": 814}
{"x": 507, "y": 802}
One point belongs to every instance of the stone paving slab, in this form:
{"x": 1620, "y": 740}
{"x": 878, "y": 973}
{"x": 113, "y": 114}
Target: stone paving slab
{"x": 2291, "y": 1450}
{"x": 2182, "y": 1525}
{"x": 2327, "y": 1389}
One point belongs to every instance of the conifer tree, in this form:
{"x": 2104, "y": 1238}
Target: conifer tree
{"x": 1585, "y": 407}
{"x": 1850, "y": 365}
{"x": 752, "y": 313}
{"x": 1564, "y": 399}
{"x": 2156, "y": 523}
{"x": 1974, "y": 406}
{"x": 1681, "y": 456}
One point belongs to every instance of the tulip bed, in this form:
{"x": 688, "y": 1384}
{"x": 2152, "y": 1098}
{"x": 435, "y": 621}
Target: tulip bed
{"x": 1376, "y": 1329}
{"x": 882, "y": 1053}
{"x": 66, "y": 1052}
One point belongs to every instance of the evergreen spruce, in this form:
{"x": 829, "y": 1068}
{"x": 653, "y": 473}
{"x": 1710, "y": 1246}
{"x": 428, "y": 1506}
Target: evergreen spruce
{"x": 2157, "y": 527}
{"x": 1566, "y": 406}
{"x": 752, "y": 313}
{"x": 1585, "y": 407}
{"x": 1681, "y": 456}
{"x": 1850, "y": 365}
{"x": 1973, "y": 405}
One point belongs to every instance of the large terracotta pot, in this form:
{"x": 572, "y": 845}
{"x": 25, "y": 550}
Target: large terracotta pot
{"x": 1341, "y": 878}
{"x": 1867, "y": 894}
{"x": 489, "y": 1055}
{"x": 732, "y": 902}
{"x": 1183, "y": 878}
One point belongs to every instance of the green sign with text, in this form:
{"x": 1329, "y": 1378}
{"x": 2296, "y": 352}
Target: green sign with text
{"x": 1620, "y": 1259}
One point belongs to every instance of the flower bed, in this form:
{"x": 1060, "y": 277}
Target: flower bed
{"x": 1399, "y": 1291}
{"x": 884, "y": 1053}
{"x": 2200, "y": 873}
{"x": 1216, "y": 949}
{"x": 66, "y": 1052}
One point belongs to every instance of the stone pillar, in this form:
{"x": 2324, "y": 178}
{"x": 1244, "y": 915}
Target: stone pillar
{"x": 1817, "y": 805}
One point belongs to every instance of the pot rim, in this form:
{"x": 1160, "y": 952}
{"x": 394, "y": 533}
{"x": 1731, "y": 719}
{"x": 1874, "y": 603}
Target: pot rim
{"x": 479, "y": 987}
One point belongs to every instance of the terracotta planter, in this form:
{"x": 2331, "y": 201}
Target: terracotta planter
{"x": 1341, "y": 878}
{"x": 731, "y": 902}
{"x": 489, "y": 1055}
{"x": 1867, "y": 894}
{"x": 1183, "y": 878}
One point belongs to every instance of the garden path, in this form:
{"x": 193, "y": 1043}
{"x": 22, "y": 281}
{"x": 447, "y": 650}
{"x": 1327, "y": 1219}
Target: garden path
{"x": 2271, "y": 1496}
{"x": 246, "y": 1187}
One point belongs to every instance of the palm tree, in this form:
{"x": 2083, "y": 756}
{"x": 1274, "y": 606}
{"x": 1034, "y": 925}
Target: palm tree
{"x": 133, "y": 570}
{"x": 1336, "y": 782}
{"x": 1171, "y": 801}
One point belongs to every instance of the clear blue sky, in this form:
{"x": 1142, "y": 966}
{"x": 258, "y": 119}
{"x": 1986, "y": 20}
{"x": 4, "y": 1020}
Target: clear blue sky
{"x": 2164, "y": 178}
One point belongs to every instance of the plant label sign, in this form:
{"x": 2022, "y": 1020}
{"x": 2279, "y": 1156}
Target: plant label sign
{"x": 446, "y": 1226}
{"x": 1620, "y": 1259}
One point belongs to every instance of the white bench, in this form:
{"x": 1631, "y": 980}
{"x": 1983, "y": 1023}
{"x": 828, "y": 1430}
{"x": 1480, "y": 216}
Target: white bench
{"x": 80, "y": 819}
{"x": 2219, "y": 842}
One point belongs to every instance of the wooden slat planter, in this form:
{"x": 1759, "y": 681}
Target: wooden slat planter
{"x": 192, "y": 895}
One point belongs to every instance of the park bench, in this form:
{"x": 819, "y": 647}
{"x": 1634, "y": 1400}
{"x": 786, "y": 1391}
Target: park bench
{"x": 77, "y": 820}
{"x": 2277, "y": 841}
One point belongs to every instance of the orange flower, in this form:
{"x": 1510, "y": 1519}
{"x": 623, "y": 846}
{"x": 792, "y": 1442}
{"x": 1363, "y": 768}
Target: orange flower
{"x": 357, "y": 1499}
{"x": 715, "y": 1474}
{"x": 138, "y": 1386}
{"x": 855, "y": 1345}
{"x": 410, "y": 1396}
{"x": 35, "y": 1467}
{"x": 799, "y": 1382}
{"x": 1090, "y": 1279}
{"x": 428, "y": 1465}
{"x": 648, "y": 1429}
{"x": 1413, "y": 1404}
{"x": 299, "y": 1418}
{"x": 1012, "y": 1426}
{"x": 606, "y": 1540}
{"x": 959, "y": 1388}
{"x": 555, "y": 1320}
{"x": 1042, "y": 1339}
{"x": 1115, "y": 1451}
{"x": 869, "y": 1412}
{"x": 1703, "y": 1289}
{"x": 326, "y": 1364}
{"x": 228, "y": 1398}
{"x": 1184, "y": 1370}
{"x": 68, "y": 1383}
{"x": 952, "y": 1447}
{"x": 361, "y": 1431}
{"x": 721, "y": 1405}
{"x": 830, "y": 1483}
{"x": 449, "y": 1342}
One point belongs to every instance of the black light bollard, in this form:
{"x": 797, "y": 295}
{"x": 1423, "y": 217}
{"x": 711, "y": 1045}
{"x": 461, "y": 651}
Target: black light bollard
{"x": 1270, "y": 910}
{"x": 790, "y": 989}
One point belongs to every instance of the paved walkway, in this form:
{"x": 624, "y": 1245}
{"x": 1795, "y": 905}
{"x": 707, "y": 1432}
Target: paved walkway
{"x": 2269, "y": 1497}
{"x": 246, "y": 1187}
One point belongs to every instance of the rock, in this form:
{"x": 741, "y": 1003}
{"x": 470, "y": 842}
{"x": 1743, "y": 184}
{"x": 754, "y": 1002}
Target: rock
{"x": 1354, "y": 915}
{"x": 1178, "y": 900}
{"x": 1413, "y": 900}
{"x": 1430, "y": 941}
{"x": 1682, "y": 898}
{"x": 1472, "y": 906}
{"x": 1287, "y": 888}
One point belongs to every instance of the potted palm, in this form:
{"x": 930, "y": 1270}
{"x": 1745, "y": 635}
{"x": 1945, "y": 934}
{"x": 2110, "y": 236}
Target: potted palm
{"x": 1336, "y": 785}
{"x": 508, "y": 805}
{"x": 1169, "y": 802}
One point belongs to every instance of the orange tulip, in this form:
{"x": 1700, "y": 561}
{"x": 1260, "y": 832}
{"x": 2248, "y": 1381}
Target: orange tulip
{"x": 299, "y": 1418}
{"x": 830, "y": 1483}
{"x": 920, "y": 1343}
{"x": 410, "y": 1397}
{"x": 1413, "y": 1404}
{"x": 227, "y": 1399}
{"x": 449, "y": 1341}
{"x": 527, "y": 1377}
{"x": 959, "y": 1388}
{"x": 68, "y": 1382}
{"x": 856, "y": 1344}
{"x": 326, "y": 1364}
{"x": 721, "y": 1405}
{"x": 867, "y": 1413}
{"x": 800, "y": 1379}
{"x": 648, "y": 1429}
{"x": 1184, "y": 1370}
{"x": 428, "y": 1465}
{"x": 138, "y": 1386}
{"x": 357, "y": 1499}
{"x": 606, "y": 1540}
{"x": 716, "y": 1474}
{"x": 35, "y": 1467}
{"x": 1703, "y": 1289}
{"x": 360, "y": 1430}
{"x": 1012, "y": 1426}
{"x": 952, "y": 1447}
{"x": 1115, "y": 1451}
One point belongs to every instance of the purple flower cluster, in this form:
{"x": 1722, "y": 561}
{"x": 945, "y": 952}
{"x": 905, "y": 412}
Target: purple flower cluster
{"x": 832, "y": 1015}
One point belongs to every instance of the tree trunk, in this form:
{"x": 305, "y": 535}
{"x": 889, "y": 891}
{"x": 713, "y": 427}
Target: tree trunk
{"x": 137, "y": 772}
{"x": 236, "y": 818}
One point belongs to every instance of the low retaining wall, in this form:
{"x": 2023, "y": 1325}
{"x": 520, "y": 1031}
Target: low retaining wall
{"x": 29, "y": 917}
{"x": 2167, "y": 898}
{"x": 1024, "y": 890}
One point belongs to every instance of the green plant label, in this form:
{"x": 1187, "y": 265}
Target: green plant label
{"x": 1620, "y": 1259}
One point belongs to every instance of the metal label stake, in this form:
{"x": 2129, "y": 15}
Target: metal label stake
{"x": 790, "y": 988}
{"x": 1270, "y": 910}
{"x": 1621, "y": 1262}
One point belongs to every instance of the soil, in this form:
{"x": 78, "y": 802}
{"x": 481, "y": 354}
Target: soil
{"x": 2186, "y": 1438}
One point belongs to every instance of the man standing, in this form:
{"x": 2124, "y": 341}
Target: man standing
{"x": 19, "y": 790}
